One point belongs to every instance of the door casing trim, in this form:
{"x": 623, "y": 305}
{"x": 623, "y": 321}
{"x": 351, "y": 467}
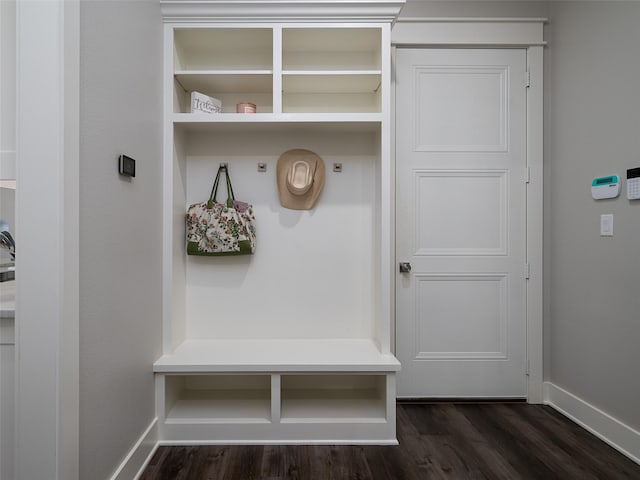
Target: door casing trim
{"x": 525, "y": 33}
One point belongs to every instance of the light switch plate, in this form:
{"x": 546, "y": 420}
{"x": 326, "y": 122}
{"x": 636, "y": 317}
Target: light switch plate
{"x": 606, "y": 225}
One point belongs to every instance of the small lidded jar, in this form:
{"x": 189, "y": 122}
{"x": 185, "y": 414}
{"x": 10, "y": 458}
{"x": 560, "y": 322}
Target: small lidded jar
{"x": 245, "y": 107}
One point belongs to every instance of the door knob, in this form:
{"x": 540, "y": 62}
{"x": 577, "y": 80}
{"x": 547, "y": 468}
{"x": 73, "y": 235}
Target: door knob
{"x": 405, "y": 267}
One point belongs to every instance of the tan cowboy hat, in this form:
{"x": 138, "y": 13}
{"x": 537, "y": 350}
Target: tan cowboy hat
{"x": 300, "y": 176}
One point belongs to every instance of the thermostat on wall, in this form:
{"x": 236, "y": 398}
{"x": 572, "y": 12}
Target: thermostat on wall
{"x": 605, "y": 187}
{"x": 127, "y": 166}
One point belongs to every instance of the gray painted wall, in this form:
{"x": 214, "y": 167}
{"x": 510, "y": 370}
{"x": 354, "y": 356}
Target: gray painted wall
{"x": 120, "y": 227}
{"x": 593, "y": 129}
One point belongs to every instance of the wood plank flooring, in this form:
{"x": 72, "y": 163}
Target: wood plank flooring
{"x": 437, "y": 441}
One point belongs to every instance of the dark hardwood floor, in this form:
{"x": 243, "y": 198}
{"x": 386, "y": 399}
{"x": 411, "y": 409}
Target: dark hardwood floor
{"x": 440, "y": 441}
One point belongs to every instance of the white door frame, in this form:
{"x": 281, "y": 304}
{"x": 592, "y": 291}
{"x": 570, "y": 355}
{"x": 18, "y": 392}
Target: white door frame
{"x": 526, "y": 33}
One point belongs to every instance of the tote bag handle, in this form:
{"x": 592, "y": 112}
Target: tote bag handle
{"x": 214, "y": 191}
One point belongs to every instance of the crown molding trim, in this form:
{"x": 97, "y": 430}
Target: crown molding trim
{"x": 228, "y": 11}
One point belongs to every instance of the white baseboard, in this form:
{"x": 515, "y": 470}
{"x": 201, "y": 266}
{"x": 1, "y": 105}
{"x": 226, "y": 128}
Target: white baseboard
{"x": 610, "y": 430}
{"x": 137, "y": 459}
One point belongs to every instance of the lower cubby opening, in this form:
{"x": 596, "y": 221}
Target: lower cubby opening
{"x": 218, "y": 398}
{"x": 337, "y": 398}
{"x": 276, "y": 407}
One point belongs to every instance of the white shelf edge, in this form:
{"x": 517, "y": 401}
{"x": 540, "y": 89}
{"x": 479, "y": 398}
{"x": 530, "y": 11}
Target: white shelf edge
{"x": 247, "y": 72}
{"x": 331, "y": 72}
{"x": 216, "y": 421}
{"x": 273, "y": 355}
{"x": 195, "y": 118}
{"x": 164, "y": 366}
{"x": 349, "y": 420}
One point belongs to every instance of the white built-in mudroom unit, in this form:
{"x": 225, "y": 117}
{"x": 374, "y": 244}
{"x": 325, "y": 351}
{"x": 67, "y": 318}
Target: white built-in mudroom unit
{"x": 295, "y": 342}
{"x": 292, "y": 343}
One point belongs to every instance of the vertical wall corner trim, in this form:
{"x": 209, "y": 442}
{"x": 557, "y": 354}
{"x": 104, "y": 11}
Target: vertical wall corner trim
{"x": 610, "y": 430}
{"x": 140, "y": 455}
{"x": 47, "y": 301}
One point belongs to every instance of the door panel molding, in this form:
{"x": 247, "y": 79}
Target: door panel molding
{"x": 498, "y": 334}
{"x": 463, "y": 213}
{"x": 475, "y": 84}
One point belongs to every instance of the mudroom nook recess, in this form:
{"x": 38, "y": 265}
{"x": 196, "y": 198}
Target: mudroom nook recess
{"x": 292, "y": 343}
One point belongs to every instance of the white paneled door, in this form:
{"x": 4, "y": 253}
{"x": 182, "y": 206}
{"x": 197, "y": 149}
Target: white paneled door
{"x": 461, "y": 222}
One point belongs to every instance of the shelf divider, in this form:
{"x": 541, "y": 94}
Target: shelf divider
{"x": 277, "y": 70}
{"x": 276, "y": 397}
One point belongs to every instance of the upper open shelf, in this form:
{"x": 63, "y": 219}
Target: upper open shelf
{"x": 223, "y": 49}
{"x": 281, "y": 70}
{"x": 332, "y": 49}
{"x": 225, "y": 81}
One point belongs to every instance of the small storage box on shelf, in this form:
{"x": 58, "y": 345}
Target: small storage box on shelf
{"x": 291, "y": 344}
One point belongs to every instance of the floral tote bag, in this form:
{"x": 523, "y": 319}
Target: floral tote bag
{"x": 221, "y": 228}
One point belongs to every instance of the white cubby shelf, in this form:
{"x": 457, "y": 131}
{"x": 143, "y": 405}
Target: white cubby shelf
{"x": 300, "y": 407}
{"x": 290, "y": 344}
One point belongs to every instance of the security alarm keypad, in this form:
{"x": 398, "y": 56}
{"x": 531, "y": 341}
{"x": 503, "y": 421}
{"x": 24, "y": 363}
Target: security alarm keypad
{"x": 605, "y": 187}
{"x": 633, "y": 183}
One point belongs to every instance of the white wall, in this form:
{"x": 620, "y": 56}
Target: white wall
{"x": 120, "y": 227}
{"x": 593, "y": 129}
